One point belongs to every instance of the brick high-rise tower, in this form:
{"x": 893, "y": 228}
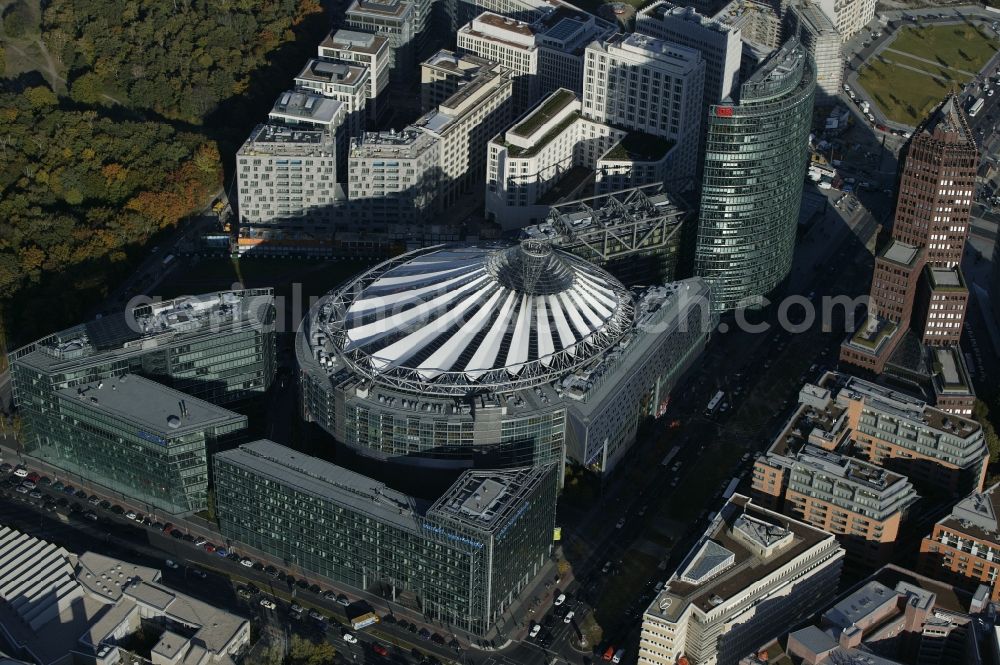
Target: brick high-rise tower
{"x": 918, "y": 281}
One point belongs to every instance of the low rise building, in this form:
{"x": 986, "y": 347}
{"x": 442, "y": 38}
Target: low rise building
{"x": 964, "y": 547}
{"x": 862, "y": 504}
{"x": 752, "y": 574}
{"x": 57, "y": 608}
{"x": 466, "y": 557}
{"x": 895, "y": 617}
{"x": 369, "y": 50}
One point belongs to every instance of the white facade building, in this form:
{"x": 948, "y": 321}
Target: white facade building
{"x": 368, "y": 50}
{"x": 754, "y": 573}
{"x": 511, "y": 43}
{"x": 284, "y": 173}
{"x": 850, "y": 16}
{"x": 548, "y": 156}
{"x": 819, "y": 35}
{"x": 442, "y": 74}
{"x": 464, "y": 123}
{"x": 344, "y": 82}
{"x": 393, "y": 179}
{"x": 719, "y": 44}
{"x": 396, "y": 20}
{"x": 648, "y": 85}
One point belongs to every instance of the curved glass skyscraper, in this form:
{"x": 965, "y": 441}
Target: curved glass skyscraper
{"x": 755, "y": 162}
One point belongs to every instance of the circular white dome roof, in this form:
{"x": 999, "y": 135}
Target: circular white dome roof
{"x": 453, "y": 319}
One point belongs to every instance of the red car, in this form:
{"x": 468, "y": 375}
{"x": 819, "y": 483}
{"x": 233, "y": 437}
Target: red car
{"x": 209, "y": 547}
{"x": 33, "y": 477}
{"x": 380, "y": 650}
{"x": 167, "y": 527}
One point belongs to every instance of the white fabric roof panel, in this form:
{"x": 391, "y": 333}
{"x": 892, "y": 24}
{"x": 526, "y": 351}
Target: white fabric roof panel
{"x": 449, "y": 313}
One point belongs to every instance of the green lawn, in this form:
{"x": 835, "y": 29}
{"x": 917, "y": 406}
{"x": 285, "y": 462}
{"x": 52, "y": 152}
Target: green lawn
{"x": 960, "y": 46}
{"x": 907, "y": 96}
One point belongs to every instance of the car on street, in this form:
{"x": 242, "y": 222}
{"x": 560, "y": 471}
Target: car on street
{"x": 246, "y": 562}
{"x": 350, "y": 639}
{"x": 569, "y": 616}
{"x": 21, "y": 489}
{"x": 21, "y": 472}
{"x": 91, "y": 515}
{"x": 243, "y": 592}
{"x": 35, "y": 494}
{"x": 620, "y": 523}
{"x": 560, "y": 599}
{"x": 199, "y": 573}
{"x": 130, "y": 515}
{"x": 343, "y": 600}
{"x": 171, "y": 564}
{"x": 380, "y": 650}
{"x": 537, "y": 628}
{"x": 222, "y": 551}
{"x": 606, "y": 567}
{"x": 94, "y": 500}
{"x": 424, "y": 634}
{"x": 267, "y": 604}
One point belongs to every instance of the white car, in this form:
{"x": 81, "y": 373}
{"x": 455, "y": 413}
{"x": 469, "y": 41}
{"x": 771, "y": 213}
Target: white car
{"x": 267, "y": 604}
{"x": 247, "y": 562}
{"x": 560, "y": 599}
{"x": 171, "y": 564}
{"x": 569, "y": 616}
{"x": 620, "y": 523}
{"x": 537, "y": 628}
{"x": 130, "y": 515}
{"x": 21, "y": 472}
{"x": 350, "y": 639}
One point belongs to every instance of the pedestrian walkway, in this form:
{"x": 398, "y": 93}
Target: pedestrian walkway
{"x": 930, "y": 62}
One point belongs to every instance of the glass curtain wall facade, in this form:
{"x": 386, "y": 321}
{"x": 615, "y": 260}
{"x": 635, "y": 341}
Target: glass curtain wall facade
{"x": 162, "y": 463}
{"x": 218, "y": 347}
{"x": 462, "y": 567}
{"x": 755, "y": 161}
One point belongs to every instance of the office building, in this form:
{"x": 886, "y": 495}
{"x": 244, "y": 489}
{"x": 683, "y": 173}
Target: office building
{"x": 218, "y": 347}
{"x": 895, "y": 617}
{"x": 286, "y": 175}
{"x": 371, "y": 51}
{"x": 648, "y": 85}
{"x": 347, "y": 83}
{"x": 758, "y": 21}
{"x": 917, "y": 282}
{"x": 510, "y": 43}
{"x": 462, "y": 12}
{"x": 463, "y": 124}
{"x": 550, "y": 155}
{"x": 719, "y": 44}
{"x": 58, "y": 608}
{"x": 754, "y": 167}
{"x": 442, "y": 74}
{"x": 141, "y": 439}
{"x": 995, "y": 283}
{"x": 512, "y": 356}
{"x": 463, "y": 559}
{"x": 753, "y": 573}
{"x": 818, "y": 34}
{"x": 850, "y": 16}
{"x": 396, "y": 20}
{"x": 544, "y": 55}
{"x": 940, "y": 453}
{"x": 634, "y": 234}
{"x": 862, "y": 504}
{"x": 964, "y": 547}
{"x": 394, "y": 180}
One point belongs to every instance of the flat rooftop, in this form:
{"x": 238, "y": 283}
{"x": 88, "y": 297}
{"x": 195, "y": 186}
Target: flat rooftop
{"x": 738, "y": 523}
{"x": 901, "y": 253}
{"x": 544, "y": 112}
{"x": 488, "y": 500}
{"x": 977, "y": 515}
{"x": 155, "y": 408}
{"x": 505, "y": 24}
{"x": 339, "y": 73}
{"x": 667, "y": 10}
{"x": 389, "y": 8}
{"x": 406, "y": 144}
{"x": 353, "y": 40}
{"x": 305, "y": 107}
{"x": 947, "y": 279}
{"x": 327, "y": 481}
{"x": 123, "y": 333}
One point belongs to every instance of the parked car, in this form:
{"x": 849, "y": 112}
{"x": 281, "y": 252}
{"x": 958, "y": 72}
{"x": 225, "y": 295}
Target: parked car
{"x": 130, "y": 515}
{"x": 199, "y": 573}
{"x": 247, "y": 562}
{"x": 569, "y": 617}
{"x": 209, "y": 547}
{"x": 20, "y": 471}
{"x": 267, "y": 604}
{"x": 560, "y": 599}
{"x": 91, "y": 515}
{"x": 171, "y": 564}
{"x": 380, "y": 650}
{"x": 94, "y": 500}
{"x": 350, "y": 639}
{"x": 243, "y": 592}
{"x": 176, "y": 533}
{"x": 222, "y": 551}
{"x": 343, "y": 600}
